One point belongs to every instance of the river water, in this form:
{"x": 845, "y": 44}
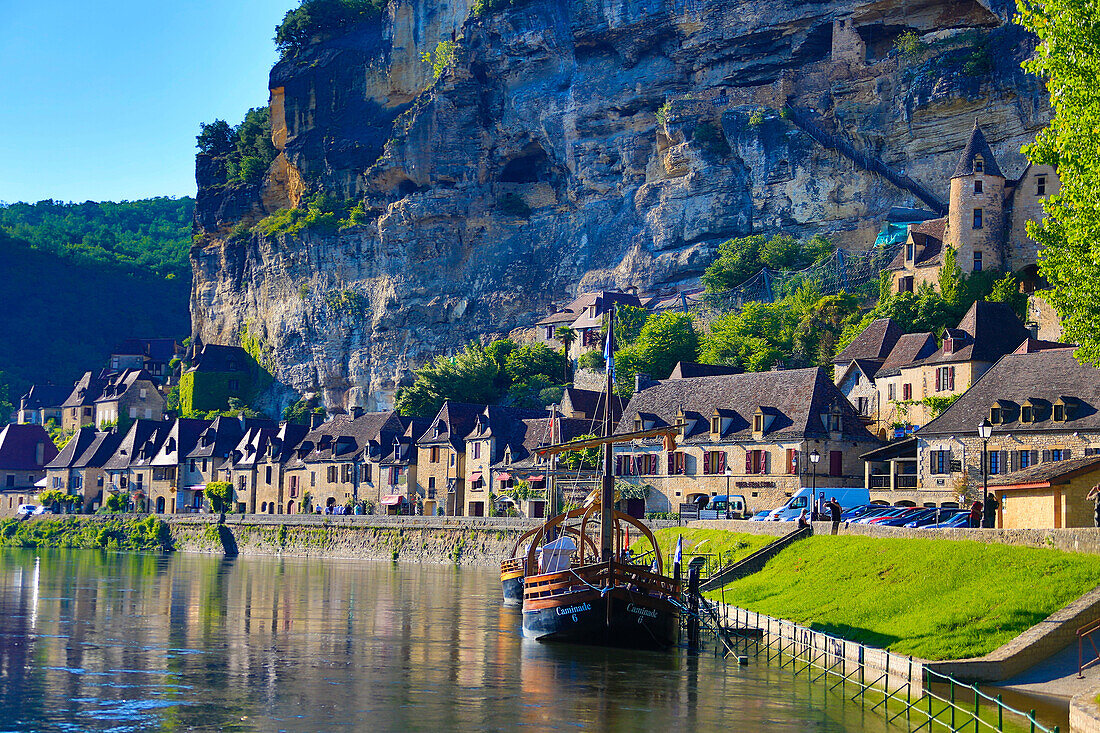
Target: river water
{"x": 93, "y": 641}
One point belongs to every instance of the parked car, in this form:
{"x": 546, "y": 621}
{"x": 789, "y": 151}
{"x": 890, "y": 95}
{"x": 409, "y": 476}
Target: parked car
{"x": 40, "y": 510}
{"x": 934, "y": 516}
{"x": 804, "y": 499}
{"x": 962, "y": 519}
{"x": 26, "y": 509}
{"x": 761, "y": 516}
{"x": 890, "y": 511}
{"x": 904, "y": 518}
{"x": 859, "y": 511}
{"x": 725, "y": 507}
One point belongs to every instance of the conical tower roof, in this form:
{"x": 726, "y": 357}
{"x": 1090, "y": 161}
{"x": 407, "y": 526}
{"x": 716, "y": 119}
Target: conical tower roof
{"x": 977, "y": 146}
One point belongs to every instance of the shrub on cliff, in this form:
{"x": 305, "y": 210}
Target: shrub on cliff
{"x": 241, "y": 154}
{"x": 316, "y": 18}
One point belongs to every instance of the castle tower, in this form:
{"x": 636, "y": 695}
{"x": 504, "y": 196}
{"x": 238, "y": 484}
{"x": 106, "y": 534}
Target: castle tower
{"x": 976, "y": 211}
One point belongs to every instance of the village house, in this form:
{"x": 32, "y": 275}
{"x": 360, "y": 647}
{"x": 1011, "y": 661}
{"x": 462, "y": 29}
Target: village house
{"x": 42, "y": 403}
{"x": 169, "y": 465}
{"x": 129, "y": 395}
{"x": 398, "y": 466}
{"x": 585, "y": 317}
{"x": 341, "y": 460}
{"x": 751, "y": 434}
{"x": 217, "y": 374}
{"x": 986, "y": 223}
{"x": 497, "y": 432}
{"x": 588, "y": 404}
{"x": 520, "y": 467}
{"x": 153, "y": 356}
{"x": 25, "y": 450}
{"x": 441, "y": 458}
{"x": 1051, "y": 495}
{"x": 79, "y": 409}
{"x": 137, "y": 448}
{"x": 78, "y": 468}
{"x": 259, "y": 462}
{"x": 1043, "y": 407}
{"x": 208, "y": 461}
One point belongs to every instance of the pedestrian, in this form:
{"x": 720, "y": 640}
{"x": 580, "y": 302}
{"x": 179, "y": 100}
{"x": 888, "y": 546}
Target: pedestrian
{"x": 834, "y": 513}
{"x": 803, "y": 520}
{"x": 989, "y": 511}
{"x": 976, "y": 515}
{"x": 1094, "y": 495}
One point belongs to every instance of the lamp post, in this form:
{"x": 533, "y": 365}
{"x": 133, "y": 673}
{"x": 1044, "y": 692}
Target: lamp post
{"x": 729, "y": 473}
{"x": 984, "y": 431}
{"x": 814, "y": 458}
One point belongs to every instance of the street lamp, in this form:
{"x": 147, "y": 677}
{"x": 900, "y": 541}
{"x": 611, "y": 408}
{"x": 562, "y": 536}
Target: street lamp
{"x": 984, "y": 431}
{"x": 814, "y": 458}
{"x": 729, "y": 473}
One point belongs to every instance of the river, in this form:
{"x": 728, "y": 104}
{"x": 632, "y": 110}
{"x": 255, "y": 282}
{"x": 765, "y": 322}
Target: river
{"x": 94, "y": 641}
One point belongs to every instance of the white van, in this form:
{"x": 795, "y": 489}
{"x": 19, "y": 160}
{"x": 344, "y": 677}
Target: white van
{"x": 804, "y": 498}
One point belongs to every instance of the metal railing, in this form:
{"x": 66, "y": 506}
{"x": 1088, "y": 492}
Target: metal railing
{"x": 1086, "y": 632}
{"x": 940, "y": 703}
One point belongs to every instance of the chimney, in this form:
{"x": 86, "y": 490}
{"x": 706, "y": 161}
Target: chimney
{"x": 315, "y": 420}
{"x": 357, "y": 412}
{"x": 641, "y": 381}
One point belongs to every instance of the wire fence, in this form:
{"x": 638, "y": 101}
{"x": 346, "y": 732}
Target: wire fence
{"x": 842, "y": 271}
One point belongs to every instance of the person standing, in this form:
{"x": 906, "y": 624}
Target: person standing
{"x": 976, "y": 515}
{"x": 1094, "y": 495}
{"x": 989, "y": 511}
{"x": 834, "y": 513}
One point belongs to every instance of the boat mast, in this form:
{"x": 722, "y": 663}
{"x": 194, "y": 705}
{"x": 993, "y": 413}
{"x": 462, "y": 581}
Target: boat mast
{"x": 607, "y": 498}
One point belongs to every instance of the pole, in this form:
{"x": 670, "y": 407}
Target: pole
{"x": 985, "y": 477}
{"x": 607, "y": 506}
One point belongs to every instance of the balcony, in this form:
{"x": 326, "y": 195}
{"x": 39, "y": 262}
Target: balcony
{"x": 901, "y": 481}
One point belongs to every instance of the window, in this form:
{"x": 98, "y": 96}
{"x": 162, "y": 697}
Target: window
{"x": 979, "y": 165}
{"x": 1027, "y": 414}
{"x": 939, "y": 461}
{"x": 434, "y": 458}
{"x": 141, "y": 393}
{"x": 87, "y": 412}
{"x": 996, "y": 462}
{"x": 892, "y": 392}
{"x": 204, "y": 465}
{"x": 1059, "y": 413}
{"x": 312, "y": 478}
{"x": 1026, "y": 458}
{"x": 714, "y": 461}
{"x": 133, "y": 412}
{"x": 234, "y": 385}
{"x": 863, "y": 405}
{"x": 977, "y": 218}
{"x": 907, "y": 391}
{"x": 549, "y": 333}
{"x": 834, "y": 421}
{"x": 905, "y": 284}
{"x": 1041, "y": 186}
{"x": 977, "y": 185}
{"x": 345, "y": 473}
{"x": 293, "y": 486}
{"x": 945, "y": 378}
{"x": 792, "y": 461}
{"x": 756, "y": 461}
{"x": 367, "y": 472}
{"x": 978, "y": 261}
{"x": 677, "y": 465}
{"x": 330, "y": 474}
{"x": 122, "y": 481}
{"x": 267, "y": 475}
{"x": 836, "y": 463}
{"x": 431, "y": 483}
{"x": 758, "y": 423}
{"x": 995, "y": 415}
{"x": 716, "y": 425}
{"x": 910, "y": 252}
{"x": 191, "y": 465}
{"x": 477, "y": 449}
{"x": 1057, "y": 454}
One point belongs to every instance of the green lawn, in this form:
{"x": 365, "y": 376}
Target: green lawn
{"x": 934, "y": 599}
{"x": 731, "y": 546}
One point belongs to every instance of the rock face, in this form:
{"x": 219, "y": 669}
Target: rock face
{"x": 583, "y": 144}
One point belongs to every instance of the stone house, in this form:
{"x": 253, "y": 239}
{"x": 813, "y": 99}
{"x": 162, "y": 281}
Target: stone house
{"x": 42, "y": 403}
{"x": 259, "y": 464}
{"x": 129, "y": 468}
{"x": 340, "y": 459}
{"x": 25, "y": 450}
{"x": 78, "y": 468}
{"x": 1048, "y": 496}
{"x": 168, "y": 491}
{"x": 152, "y": 356}
{"x": 209, "y": 460}
{"x": 129, "y": 395}
{"x": 588, "y": 404}
{"x": 398, "y": 467}
{"x": 79, "y": 408}
{"x": 890, "y": 387}
{"x": 585, "y": 317}
{"x": 519, "y": 462}
{"x": 441, "y": 457}
{"x": 496, "y": 434}
{"x": 1044, "y": 406}
{"x": 855, "y": 367}
{"x": 749, "y": 434}
{"x": 986, "y": 222}
{"x": 217, "y": 373}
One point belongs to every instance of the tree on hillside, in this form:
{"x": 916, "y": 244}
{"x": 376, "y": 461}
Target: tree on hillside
{"x": 1068, "y": 59}
{"x": 629, "y": 320}
{"x": 665, "y": 339}
{"x": 566, "y": 335}
{"x": 741, "y": 258}
{"x": 314, "y": 18}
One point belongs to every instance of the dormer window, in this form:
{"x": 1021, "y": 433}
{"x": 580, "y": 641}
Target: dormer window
{"x": 948, "y": 345}
{"x": 834, "y": 421}
{"x": 1063, "y": 409}
{"x": 758, "y": 423}
{"x": 979, "y": 164}
{"x": 438, "y": 429}
{"x": 1059, "y": 413}
{"x": 995, "y": 415}
{"x": 1027, "y": 413}
{"x": 638, "y": 424}
{"x": 716, "y": 425}
{"x": 910, "y": 252}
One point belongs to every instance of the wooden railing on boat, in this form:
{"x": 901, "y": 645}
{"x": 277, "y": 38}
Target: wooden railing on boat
{"x": 513, "y": 565}
{"x": 597, "y": 577}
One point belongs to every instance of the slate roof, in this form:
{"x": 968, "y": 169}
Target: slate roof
{"x": 74, "y": 448}
{"x": 797, "y": 398}
{"x": 85, "y": 392}
{"x": 223, "y": 434}
{"x": 602, "y": 300}
{"x": 1043, "y": 376}
{"x": 129, "y": 448}
{"x": 990, "y": 330}
{"x": 19, "y": 448}
{"x": 100, "y": 451}
{"x": 911, "y": 347}
{"x": 181, "y": 440}
{"x": 977, "y": 145}
{"x": 1031, "y": 345}
{"x": 502, "y": 423}
{"x": 216, "y": 358}
{"x": 120, "y": 383}
{"x": 344, "y": 438}
{"x": 455, "y": 420}
{"x": 590, "y": 402}
{"x": 928, "y": 236}
{"x": 157, "y": 349}
{"x": 41, "y": 396}
{"x": 531, "y": 433}
{"x": 873, "y": 342}
{"x": 146, "y": 452}
{"x": 1049, "y": 472}
{"x": 403, "y": 450}
{"x": 689, "y": 369}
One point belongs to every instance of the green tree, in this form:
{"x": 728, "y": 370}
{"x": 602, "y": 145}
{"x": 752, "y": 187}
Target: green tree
{"x": 220, "y": 495}
{"x": 629, "y": 320}
{"x": 781, "y": 252}
{"x": 1007, "y": 290}
{"x": 1068, "y": 59}
{"x": 591, "y": 360}
{"x": 566, "y": 336}
{"x": 316, "y": 18}
{"x": 300, "y": 412}
{"x": 466, "y": 377}
{"x": 531, "y": 360}
{"x": 665, "y": 339}
{"x": 585, "y": 458}
{"x": 738, "y": 259}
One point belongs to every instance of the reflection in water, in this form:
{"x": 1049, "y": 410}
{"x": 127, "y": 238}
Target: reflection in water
{"x": 97, "y": 641}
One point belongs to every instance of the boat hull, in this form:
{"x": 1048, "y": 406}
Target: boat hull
{"x": 584, "y": 617}
{"x": 513, "y": 589}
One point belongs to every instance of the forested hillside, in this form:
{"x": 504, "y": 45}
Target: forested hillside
{"x": 79, "y": 278}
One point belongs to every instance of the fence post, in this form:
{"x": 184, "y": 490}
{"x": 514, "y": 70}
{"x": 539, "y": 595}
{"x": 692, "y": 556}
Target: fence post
{"x": 977, "y": 709}
{"x": 1031, "y": 715}
{"x": 953, "y": 704}
{"x": 1000, "y": 714}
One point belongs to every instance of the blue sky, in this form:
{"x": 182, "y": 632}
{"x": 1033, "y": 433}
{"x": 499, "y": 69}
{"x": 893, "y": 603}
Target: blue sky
{"x": 102, "y": 100}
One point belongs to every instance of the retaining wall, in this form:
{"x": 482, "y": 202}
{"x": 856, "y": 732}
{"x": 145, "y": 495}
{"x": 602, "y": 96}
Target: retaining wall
{"x": 1084, "y": 714}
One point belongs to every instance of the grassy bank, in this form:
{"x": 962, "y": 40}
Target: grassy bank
{"x": 730, "y": 546}
{"x": 930, "y": 598}
{"x": 108, "y": 533}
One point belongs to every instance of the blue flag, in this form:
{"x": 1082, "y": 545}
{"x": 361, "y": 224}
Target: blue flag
{"x": 609, "y": 349}
{"x": 679, "y": 550}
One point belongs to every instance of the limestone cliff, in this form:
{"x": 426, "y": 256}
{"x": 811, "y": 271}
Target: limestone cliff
{"x": 581, "y": 144}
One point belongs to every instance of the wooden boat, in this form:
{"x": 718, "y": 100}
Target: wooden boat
{"x": 514, "y": 569}
{"x": 606, "y": 599}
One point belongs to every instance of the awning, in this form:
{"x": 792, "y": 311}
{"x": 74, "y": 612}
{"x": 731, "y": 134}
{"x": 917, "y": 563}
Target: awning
{"x": 536, "y": 477}
{"x": 195, "y": 487}
{"x": 41, "y": 483}
{"x": 475, "y": 476}
{"x": 391, "y": 499}
{"x": 504, "y": 477}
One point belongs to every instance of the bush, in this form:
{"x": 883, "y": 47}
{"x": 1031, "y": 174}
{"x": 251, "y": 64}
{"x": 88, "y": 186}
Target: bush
{"x": 116, "y": 503}
{"x": 243, "y": 153}
{"x": 592, "y": 360}
{"x": 220, "y": 495}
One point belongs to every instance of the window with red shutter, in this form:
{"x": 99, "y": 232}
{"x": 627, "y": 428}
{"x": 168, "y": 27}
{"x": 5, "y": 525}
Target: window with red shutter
{"x": 763, "y": 461}
{"x": 792, "y": 461}
{"x": 706, "y": 461}
{"x": 836, "y": 463}
{"x": 722, "y": 462}
{"x": 951, "y": 378}
{"x": 671, "y": 463}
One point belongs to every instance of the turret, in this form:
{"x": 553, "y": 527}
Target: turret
{"x": 976, "y": 216}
